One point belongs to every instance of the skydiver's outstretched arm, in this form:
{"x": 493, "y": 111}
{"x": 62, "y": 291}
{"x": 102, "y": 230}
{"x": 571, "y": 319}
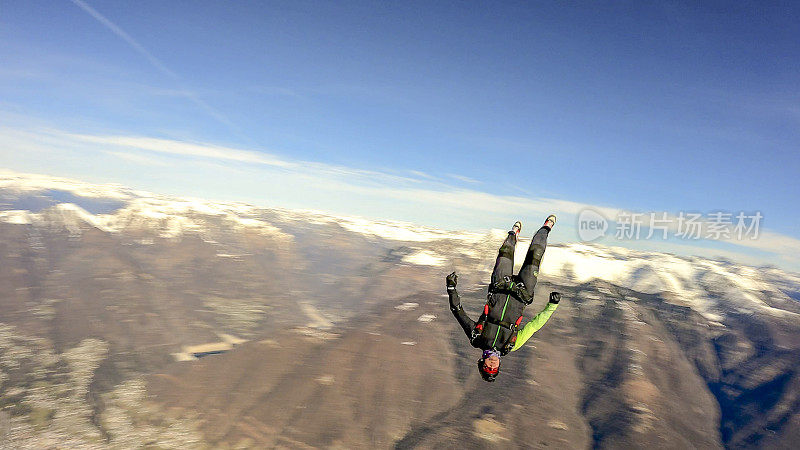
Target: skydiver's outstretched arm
{"x": 466, "y": 323}
{"x": 537, "y": 322}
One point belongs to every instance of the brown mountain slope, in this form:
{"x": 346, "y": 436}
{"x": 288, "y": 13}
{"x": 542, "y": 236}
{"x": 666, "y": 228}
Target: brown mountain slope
{"x": 605, "y": 376}
{"x": 361, "y": 386}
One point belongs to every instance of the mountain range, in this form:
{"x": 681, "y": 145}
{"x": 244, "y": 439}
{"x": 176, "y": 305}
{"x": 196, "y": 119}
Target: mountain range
{"x": 337, "y": 334}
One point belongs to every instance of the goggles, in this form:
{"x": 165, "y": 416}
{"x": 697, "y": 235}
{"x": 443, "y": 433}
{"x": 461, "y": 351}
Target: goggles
{"x": 490, "y": 353}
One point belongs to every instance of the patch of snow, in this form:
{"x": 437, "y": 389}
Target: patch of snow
{"x": 408, "y": 306}
{"x": 425, "y": 318}
{"x": 317, "y": 319}
{"x": 18, "y": 217}
{"x": 403, "y": 231}
{"x": 326, "y": 380}
{"x": 424, "y": 258}
{"x": 32, "y": 183}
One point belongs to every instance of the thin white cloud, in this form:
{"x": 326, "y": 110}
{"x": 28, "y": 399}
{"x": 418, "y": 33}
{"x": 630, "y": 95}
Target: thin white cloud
{"x": 421, "y": 174}
{"x": 463, "y": 178}
{"x": 185, "y": 149}
{"x": 139, "y": 158}
{"x": 160, "y": 66}
{"x": 222, "y": 153}
{"x": 127, "y": 38}
{"x": 347, "y": 190}
{"x": 273, "y": 91}
{"x": 772, "y": 242}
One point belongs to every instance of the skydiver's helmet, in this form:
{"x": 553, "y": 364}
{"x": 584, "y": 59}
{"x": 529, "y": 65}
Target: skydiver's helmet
{"x": 488, "y": 374}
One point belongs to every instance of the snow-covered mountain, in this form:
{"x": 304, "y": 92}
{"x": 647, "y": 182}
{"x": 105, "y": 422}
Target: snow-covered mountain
{"x": 711, "y": 287}
{"x": 101, "y": 285}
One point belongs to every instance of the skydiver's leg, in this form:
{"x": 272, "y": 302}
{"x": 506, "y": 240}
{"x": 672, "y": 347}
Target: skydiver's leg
{"x": 530, "y": 268}
{"x": 504, "y": 266}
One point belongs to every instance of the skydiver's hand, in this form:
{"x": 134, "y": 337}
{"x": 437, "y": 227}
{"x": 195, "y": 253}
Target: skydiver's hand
{"x": 555, "y": 297}
{"x": 451, "y": 280}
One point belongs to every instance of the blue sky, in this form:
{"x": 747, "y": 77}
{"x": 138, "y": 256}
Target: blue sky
{"x": 465, "y": 115}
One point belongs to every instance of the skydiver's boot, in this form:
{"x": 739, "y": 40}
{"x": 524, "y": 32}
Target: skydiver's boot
{"x": 516, "y": 228}
{"x": 550, "y": 222}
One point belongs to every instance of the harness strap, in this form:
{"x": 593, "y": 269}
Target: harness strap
{"x": 516, "y": 289}
{"x": 501, "y": 323}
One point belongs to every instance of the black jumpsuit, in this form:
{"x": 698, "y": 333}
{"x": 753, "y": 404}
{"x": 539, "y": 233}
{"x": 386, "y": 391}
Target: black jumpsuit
{"x": 504, "y": 308}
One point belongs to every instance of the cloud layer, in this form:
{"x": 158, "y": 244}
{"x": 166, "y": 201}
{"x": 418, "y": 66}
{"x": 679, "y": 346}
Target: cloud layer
{"x": 216, "y": 171}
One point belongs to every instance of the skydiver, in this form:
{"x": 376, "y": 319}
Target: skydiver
{"x": 497, "y": 330}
